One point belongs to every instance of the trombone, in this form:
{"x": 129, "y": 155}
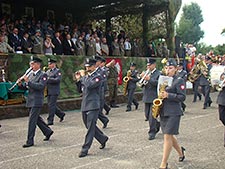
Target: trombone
{"x": 142, "y": 82}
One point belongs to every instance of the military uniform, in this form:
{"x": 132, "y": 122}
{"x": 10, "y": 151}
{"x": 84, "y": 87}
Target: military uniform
{"x": 182, "y": 74}
{"x": 149, "y": 94}
{"x": 205, "y": 85}
{"x": 90, "y": 86}
{"x": 103, "y": 73}
{"x": 195, "y": 90}
{"x": 35, "y": 99}
{"x": 113, "y": 85}
{"x": 131, "y": 86}
{"x": 171, "y": 107}
{"x": 53, "y": 91}
{"x": 221, "y": 103}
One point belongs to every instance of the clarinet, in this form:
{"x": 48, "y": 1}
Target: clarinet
{"x": 28, "y": 71}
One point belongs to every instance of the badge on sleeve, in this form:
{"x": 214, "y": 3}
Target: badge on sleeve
{"x": 44, "y": 78}
{"x": 59, "y": 73}
{"x": 182, "y": 87}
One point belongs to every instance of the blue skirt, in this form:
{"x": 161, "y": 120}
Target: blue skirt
{"x": 170, "y": 124}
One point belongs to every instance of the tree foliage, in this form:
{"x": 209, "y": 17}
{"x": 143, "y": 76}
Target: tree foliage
{"x": 189, "y": 25}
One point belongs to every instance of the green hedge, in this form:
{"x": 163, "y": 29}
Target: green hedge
{"x": 19, "y": 63}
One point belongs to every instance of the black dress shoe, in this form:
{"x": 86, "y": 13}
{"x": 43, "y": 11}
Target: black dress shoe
{"x": 62, "y": 118}
{"x": 27, "y": 145}
{"x": 181, "y": 159}
{"x": 146, "y": 119}
{"x": 102, "y": 146}
{"x": 107, "y": 111}
{"x": 105, "y": 125}
{"x": 165, "y": 168}
{"x": 151, "y": 136}
{"x": 128, "y": 110}
{"x": 136, "y": 106}
{"x": 210, "y": 102}
{"x": 50, "y": 123}
{"x": 48, "y": 137}
{"x": 82, "y": 154}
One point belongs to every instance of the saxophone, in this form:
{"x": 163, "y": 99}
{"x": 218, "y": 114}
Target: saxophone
{"x": 157, "y": 103}
{"x": 126, "y": 80}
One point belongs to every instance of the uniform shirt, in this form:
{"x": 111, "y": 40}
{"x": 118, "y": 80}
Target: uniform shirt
{"x": 171, "y": 106}
{"x": 90, "y": 86}
{"x": 183, "y": 74}
{"x": 150, "y": 90}
{"x": 53, "y": 82}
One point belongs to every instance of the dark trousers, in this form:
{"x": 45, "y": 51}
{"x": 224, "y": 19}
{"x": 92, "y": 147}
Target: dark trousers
{"x": 130, "y": 98}
{"x": 153, "y": 123}
{"x": 35, "y": 119}
{"x": 206, "y": 93}
{"x": 195, "y": 90}
{"x": 101, "y": 116}
{"x": 53, "y": 109}
{"x": 221, "y": 109}
{"x": 90, "y": 119}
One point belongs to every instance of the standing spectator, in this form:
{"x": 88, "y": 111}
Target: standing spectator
{"x": 5, "y": 47}
{"x": 53, "y": 91}
{"x": 121, "y": 45}
{"x": 68, "y": 46}
{"x": 38, "y": 43}
{"x": 112, "y": 83}
{"x": 26, "y": 44}
{"x": 14, "y": 40}
{"x": 115, "y": 47}
{"x": 98, "y": 47}
{"x": 58, "y": 49}
{"x": 80, "y": 46}
{"x": 48, "y": 45}
{"x": 127, "y": 47}
{"x": 91, "y": 46}
{"x": 150, "y": 51}
{"x": 105, "y": 48}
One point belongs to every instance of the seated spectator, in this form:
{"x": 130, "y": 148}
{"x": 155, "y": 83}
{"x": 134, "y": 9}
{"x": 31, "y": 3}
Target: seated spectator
{"x": 5, "y": 47}
{"x": 26, "y": 44}
{"x": 68, "y": 46}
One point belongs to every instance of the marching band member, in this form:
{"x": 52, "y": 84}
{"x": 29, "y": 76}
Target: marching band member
{"x": 35, "y": 84}
{"x": 171, "y": 113}
{"x": 90, "y": 86}
{"x": 53, "y": 91}
{"x": 149, "y": 94}
{"x": 221, "y": 102}
{"x": 205, "y": 83}
{"x": 131, "y": 86}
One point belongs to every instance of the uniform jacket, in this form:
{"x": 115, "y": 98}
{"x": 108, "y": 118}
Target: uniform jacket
{"x": 90, "y": 86}
{"x": 204, "y": 80}
{"x": 35, "y": 88}
{"x": 132, "y": 82}
{"x": 171, "y": 106}
{"x": 150, "y": 90}
{"x": 221, "y": 97}
{"x": 58, "y": 50}
{"x": 53, "y": 82}
{"x": 182, "y": 74}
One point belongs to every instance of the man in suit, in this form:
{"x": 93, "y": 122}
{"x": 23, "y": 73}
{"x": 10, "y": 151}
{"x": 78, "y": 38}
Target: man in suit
{"x": 53, "y": 91}
{"x": 26, "y": 44}
{"x": 58, "y": 50}
{"x": 90, "y": 85}
{"x": 35, "y": 83}
{"x": 182, "y": 74}
{"x": 15, "y": 40}
{"x": 149, "y": 94}
{"x": 131, "y": 86}
{"x": 68, "y": 46}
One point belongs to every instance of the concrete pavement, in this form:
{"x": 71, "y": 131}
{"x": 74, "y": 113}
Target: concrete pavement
{"x": 201, "y": 133}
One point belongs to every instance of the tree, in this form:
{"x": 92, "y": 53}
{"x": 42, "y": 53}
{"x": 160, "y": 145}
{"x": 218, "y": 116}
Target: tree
{"x": 188, "y": 29}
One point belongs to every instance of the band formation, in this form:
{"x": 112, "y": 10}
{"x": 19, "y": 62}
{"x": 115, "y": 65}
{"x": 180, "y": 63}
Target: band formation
{"x": 164, "y": 94}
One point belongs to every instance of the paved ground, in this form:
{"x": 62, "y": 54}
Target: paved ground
{"x": 201, "y": 133}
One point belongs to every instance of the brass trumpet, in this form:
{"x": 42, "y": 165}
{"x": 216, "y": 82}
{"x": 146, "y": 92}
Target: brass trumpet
{"x": 142, "y": 82}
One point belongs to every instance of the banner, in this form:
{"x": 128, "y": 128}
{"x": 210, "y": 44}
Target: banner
{"x": 118, "y": 66}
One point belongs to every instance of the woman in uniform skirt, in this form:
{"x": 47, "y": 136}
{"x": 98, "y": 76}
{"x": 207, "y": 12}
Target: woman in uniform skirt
{"x": 221, "y": 102}
{"x": 171, "y": 113}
